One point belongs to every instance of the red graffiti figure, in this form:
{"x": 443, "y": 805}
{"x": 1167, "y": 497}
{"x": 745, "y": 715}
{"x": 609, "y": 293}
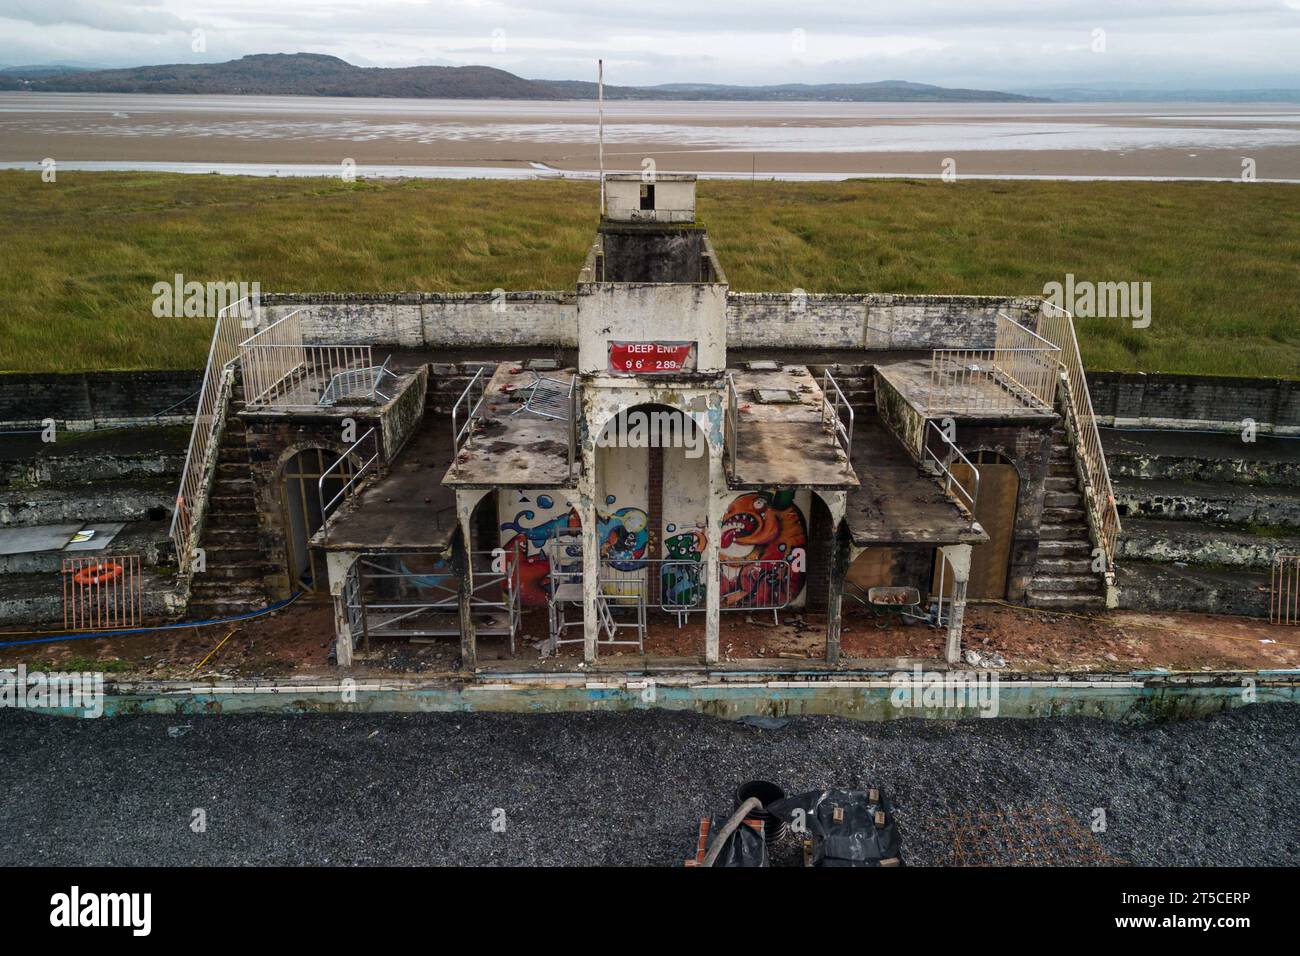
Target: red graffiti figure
{"x": 763, "y": 526}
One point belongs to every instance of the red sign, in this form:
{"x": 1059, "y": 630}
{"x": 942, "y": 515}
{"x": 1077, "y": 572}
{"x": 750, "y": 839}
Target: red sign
{"x": 650, "y": 358}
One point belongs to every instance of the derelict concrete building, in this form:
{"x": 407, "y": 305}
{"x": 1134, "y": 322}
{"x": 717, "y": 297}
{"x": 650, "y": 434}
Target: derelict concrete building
{"x": 656, "y": 453}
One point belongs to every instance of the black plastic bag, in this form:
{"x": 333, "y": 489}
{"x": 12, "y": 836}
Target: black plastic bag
{"x": 847, "y": 827}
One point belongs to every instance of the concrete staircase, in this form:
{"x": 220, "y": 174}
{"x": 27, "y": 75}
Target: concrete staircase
{"x": 236, "y": 564}
{"x": 1064, "y": 577}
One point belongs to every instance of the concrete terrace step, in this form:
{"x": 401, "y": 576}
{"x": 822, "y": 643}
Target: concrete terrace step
{"x": 1070, "y": 515}
{"x": 1196, "y": 456}
{"x": 1201, "y": 543}
{"x": 27, "y": 599}
{"x": 1063, "y": 484}
{"x": 1213, "y": 501}
{"x": 1062, "y": 500}
{"x": 1157, "y": 587}
{"x": 102, "y": 455}
{"x": 100, "y": 501}
{"x": 146, "y": 538}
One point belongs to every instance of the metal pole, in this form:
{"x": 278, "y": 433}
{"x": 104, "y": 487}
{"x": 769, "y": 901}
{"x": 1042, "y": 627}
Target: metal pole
{"x": 600, "y": 111}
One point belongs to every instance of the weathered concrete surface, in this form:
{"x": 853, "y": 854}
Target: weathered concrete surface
{"x": 1145, "y": 586}
{"x": 1185, "y": 456}
{"x": 1208, "y": 501}
{"x": 615, "y": 789}
{"x": 1201, "y": 543}
{"x": 141, "y": 500}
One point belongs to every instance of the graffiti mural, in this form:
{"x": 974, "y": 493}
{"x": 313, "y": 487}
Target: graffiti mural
{"x": 763, "y": 526}
{"x": 535, "y": 526}
{"x": 623, "y": 533}
{"x": 681, "y": 577}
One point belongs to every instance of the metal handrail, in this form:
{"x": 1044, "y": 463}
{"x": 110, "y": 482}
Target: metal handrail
{"x": 326, "y": 509}
{"x": 732, "y": 419}
{"x": 831, "y": 413}
{"x": 191, "y": 498}
{"x": 1099, "y": 492}
{"x": 968, "y": 497}
{"x": 459, "y": 432}
{"x": 1020, "y": 370}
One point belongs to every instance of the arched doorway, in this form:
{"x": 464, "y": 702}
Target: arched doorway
{"x": 305, "y": 500}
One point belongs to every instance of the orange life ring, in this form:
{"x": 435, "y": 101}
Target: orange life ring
{"x": 99, "y": 573}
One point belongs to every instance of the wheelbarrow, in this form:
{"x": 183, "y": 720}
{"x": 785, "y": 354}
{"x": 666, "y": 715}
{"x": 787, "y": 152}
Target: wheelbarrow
{"x": 905, "y": 602}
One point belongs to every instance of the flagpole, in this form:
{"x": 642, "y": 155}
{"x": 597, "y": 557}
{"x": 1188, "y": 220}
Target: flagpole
{"x": 600, "y": 110}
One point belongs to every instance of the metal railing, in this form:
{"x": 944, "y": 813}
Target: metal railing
{"x": 200, "y": 456}
{"x": 754, "y": 585}
{"x": 834, "y": 407}
{"x": 953, "y": 487}
{"x": 1099, "y": 494}
{"x": 350, "y": 457}
{"x": 460, "y": 432}
{"x": 732, "y": 420}
{"x": 1019, "y": 372}
{"x": 280, "y": 369}
{"x": 102, "y": 592}
{"x": 1284, "y": 589}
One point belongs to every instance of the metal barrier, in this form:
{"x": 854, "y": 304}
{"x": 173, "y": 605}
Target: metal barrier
{"x": 1058, "y": 326}
{"x": 460, "y": 432}
{"x": 200, "y": 456}
{"x": 755, "y": 585}
{"x": 392, "y": 599}
{"x": 102, "y": 593}
{"x": 327, "y": 508}
{"x": 1284, "y": 590}
{"x": 280, "y": 370}
{"x": 834, "y": 410}
{"x": 952, "y": 485}
{"x": 1020, "y": 371}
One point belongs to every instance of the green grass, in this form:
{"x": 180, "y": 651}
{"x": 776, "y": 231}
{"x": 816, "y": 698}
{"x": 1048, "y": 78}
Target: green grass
{"x": 82, "y": 254}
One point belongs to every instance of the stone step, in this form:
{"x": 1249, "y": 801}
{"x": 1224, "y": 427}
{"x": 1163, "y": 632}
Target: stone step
{"x": 1064, "y": 566}
{"x": 1072, "y": 601}
{"x": 1076, "y": 547}
{"x": 1065, "y": 484}
{"x": 252, "y": 571}
{"x": 1072, "y": 531}
{"x": 1063, "y": 500}
{"x": 1064, "y": 516}
{"x": 233, "y": 470}
{"x": 231, "y": 519}
{"x": 1065, "y": 583}
{"x": 232, "y": 486}
{"x": 1220, "y": 502}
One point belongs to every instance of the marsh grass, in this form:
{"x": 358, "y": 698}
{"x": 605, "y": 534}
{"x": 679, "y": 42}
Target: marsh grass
{"x": 81, "y": 255}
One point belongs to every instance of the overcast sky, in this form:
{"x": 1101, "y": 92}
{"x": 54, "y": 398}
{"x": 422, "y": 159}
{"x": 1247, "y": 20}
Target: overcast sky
{"x": 996, "y": 44}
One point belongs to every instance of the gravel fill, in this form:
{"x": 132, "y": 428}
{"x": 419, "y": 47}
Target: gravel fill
{"x": 616, "y": 789}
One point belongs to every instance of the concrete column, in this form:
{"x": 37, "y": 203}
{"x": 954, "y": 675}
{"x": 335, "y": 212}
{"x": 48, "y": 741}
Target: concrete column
{"x": 590, "y": 579}
{"x": 462, "y": 567}
{"x": 713, "y": 578}
{"x": 338, "y": 564}
{"x": 957, "y": 572}
{"x": 835, "y": 596}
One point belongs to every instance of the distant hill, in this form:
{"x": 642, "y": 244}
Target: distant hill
{"x": 313, "y": 74}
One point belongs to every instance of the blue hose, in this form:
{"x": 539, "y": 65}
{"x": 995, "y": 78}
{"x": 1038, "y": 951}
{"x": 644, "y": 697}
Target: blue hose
{"x": 162, "y": 627}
